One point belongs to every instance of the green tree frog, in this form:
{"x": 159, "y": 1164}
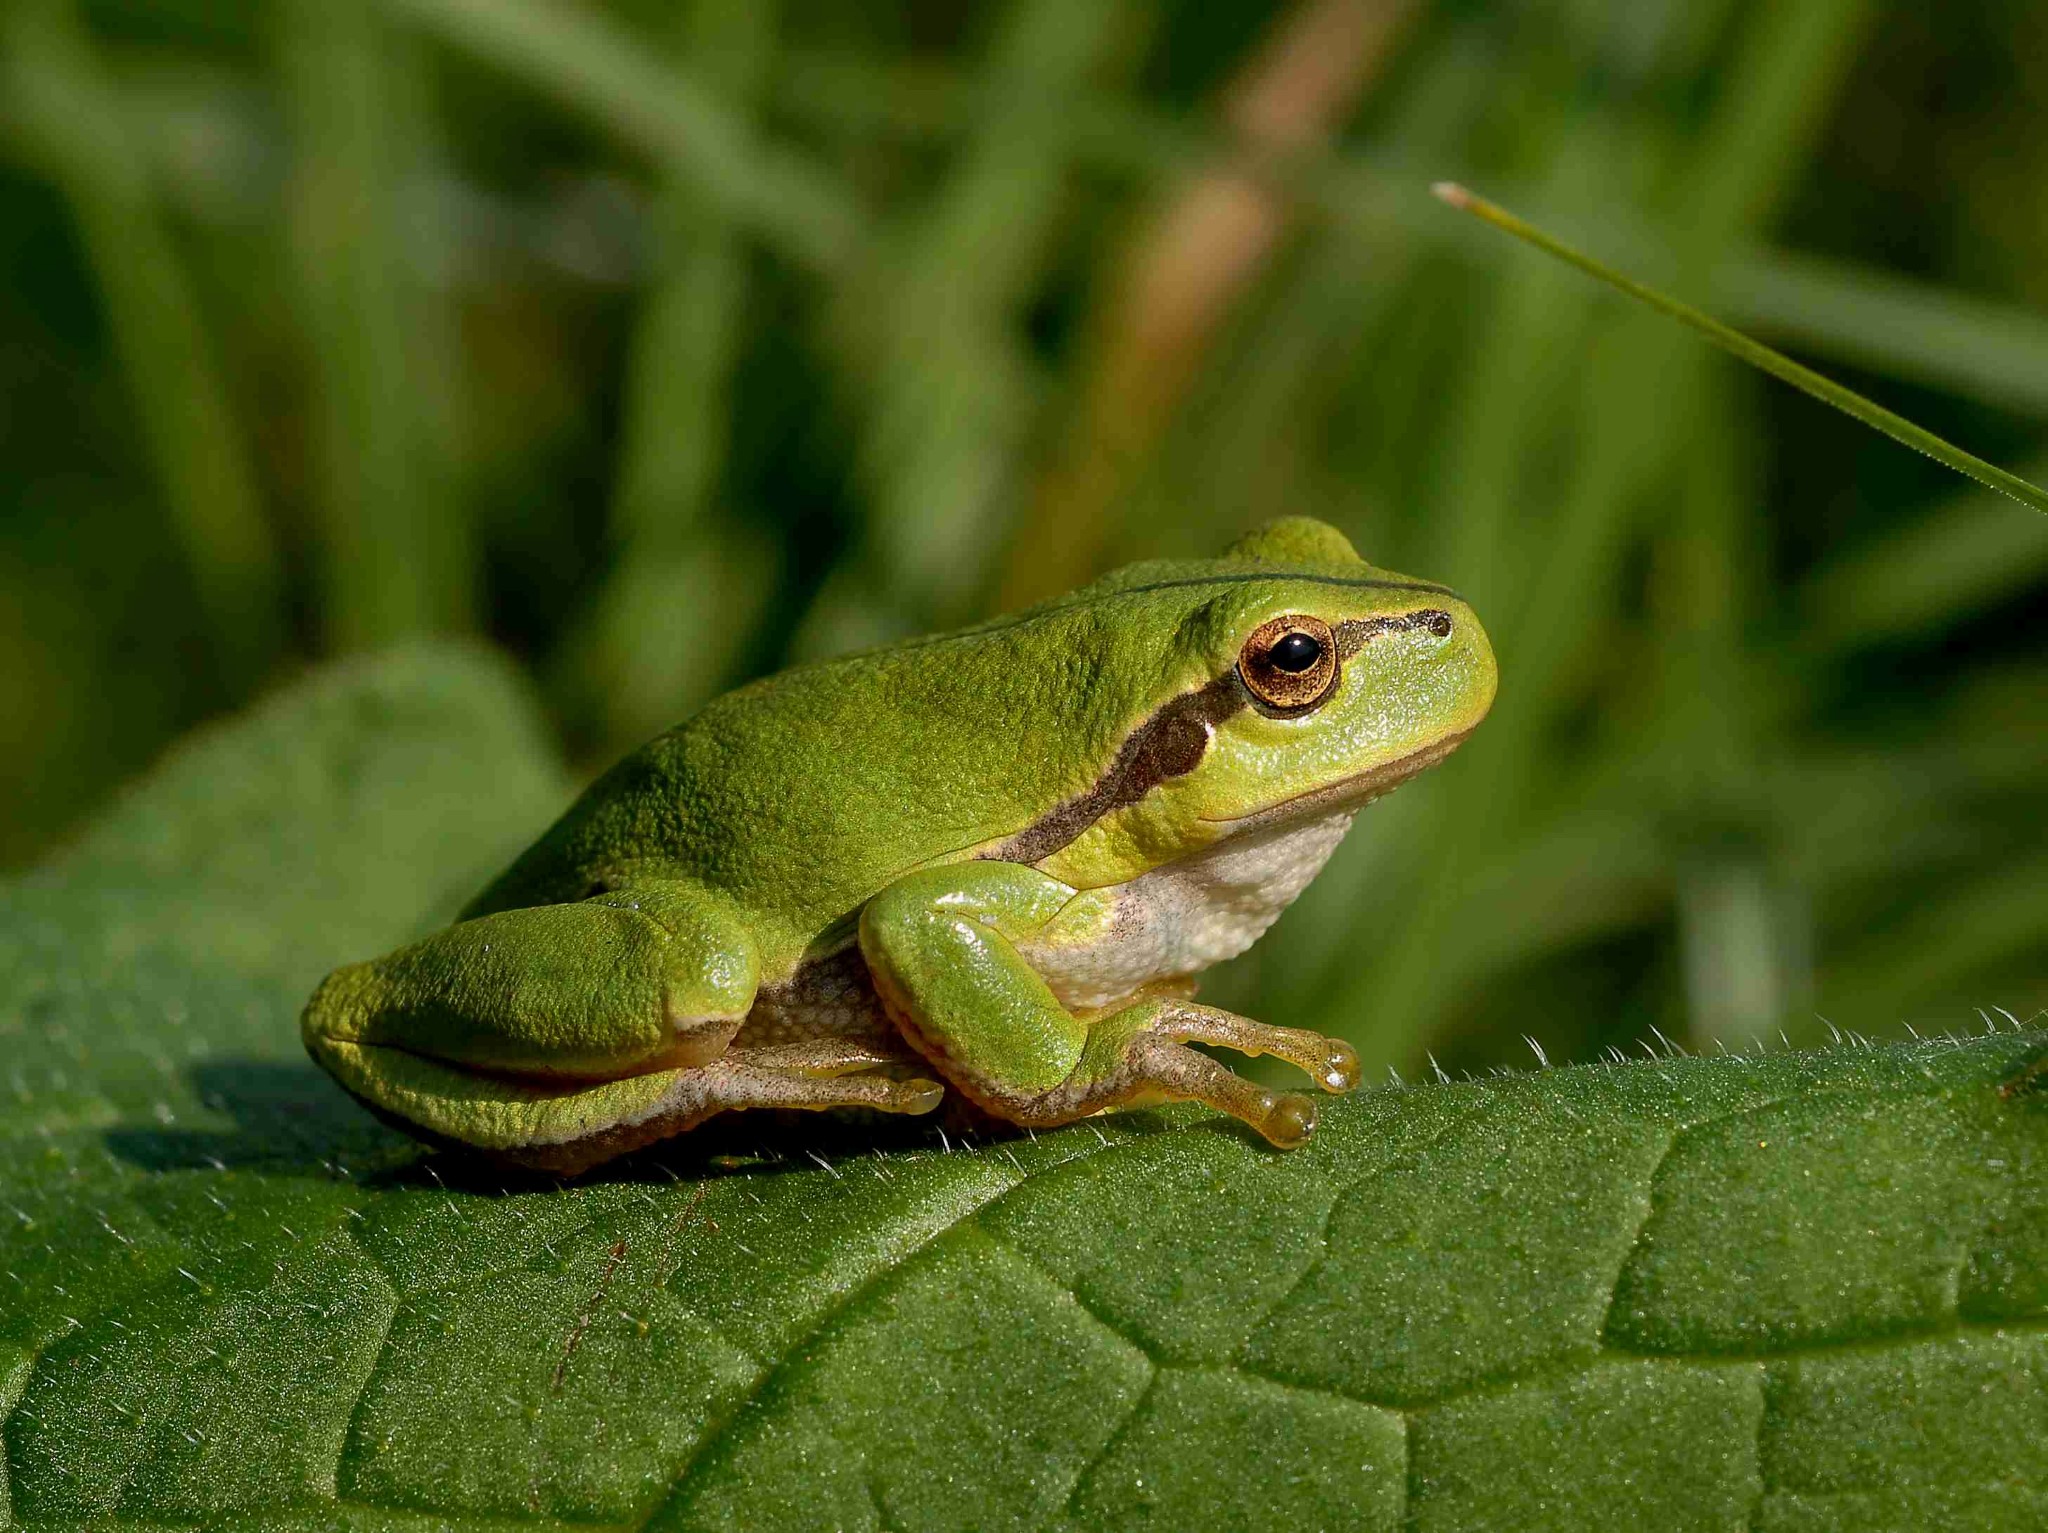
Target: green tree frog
{"x": 986, "y": 863}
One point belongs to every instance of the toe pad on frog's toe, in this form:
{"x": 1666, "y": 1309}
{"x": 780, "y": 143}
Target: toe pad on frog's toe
{"x": 1340, "y": 1067}
{"x": 917, "y": 1097}
{"x": 1289, "y": 1121}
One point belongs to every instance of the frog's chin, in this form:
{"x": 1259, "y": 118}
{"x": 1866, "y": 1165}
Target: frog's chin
{"x": 1346, "y": 793}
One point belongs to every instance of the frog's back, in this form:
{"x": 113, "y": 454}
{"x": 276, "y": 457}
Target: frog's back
{"x": 801, "y": 795}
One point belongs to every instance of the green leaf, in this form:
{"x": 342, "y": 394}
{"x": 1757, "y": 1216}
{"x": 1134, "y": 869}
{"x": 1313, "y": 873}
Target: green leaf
{"x": 1803, "y": 1291}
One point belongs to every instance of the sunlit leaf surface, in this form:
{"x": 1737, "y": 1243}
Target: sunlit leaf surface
{"x": 1804, "y": 1291}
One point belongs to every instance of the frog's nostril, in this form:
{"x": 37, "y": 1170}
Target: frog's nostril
{"x": 1437, "y": 622}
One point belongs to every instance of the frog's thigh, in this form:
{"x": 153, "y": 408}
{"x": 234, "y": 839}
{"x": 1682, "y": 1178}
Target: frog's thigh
{"x": 626, "y": 983}
{"x": 941, "y": 945}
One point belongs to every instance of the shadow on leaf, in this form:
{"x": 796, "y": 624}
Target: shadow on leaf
{"x": 284, "y": 1114}
{"x": 763, "y": 1142}
{"x": 287, "y": 1116}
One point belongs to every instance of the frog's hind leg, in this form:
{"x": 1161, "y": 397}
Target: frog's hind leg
{"x": 568, "y": 1129}
{"x": 628, "y": 982}
{"x": 801, "y": 1076}
{"x": 537, "y": 1025}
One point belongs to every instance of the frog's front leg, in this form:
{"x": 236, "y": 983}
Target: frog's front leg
{"x": 559, "y": 1035}
{"x": 942, "y": 946}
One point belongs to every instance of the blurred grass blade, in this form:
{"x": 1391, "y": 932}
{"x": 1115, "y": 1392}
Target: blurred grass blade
{"x": 1922, "y": 967}
{"x": 686, "y": 588}
{"x": 1187, "y": 272}
{"x": 581, "y": 59}
{"x": 1995, "y": 353}
{"x": 934, "y": 340}
{"x": 1743, "y": 944}
{"x": 201, "y": 460}
{"x": 1929, "y": 573}
{"x": 1635, "y": 400}
{"x": 396, "y": 559}
{"x": 1757, "y": 354}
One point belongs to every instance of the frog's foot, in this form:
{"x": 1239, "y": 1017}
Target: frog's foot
{"x": 1140, "y": 1054}
{"x": 1330, "y": 1062}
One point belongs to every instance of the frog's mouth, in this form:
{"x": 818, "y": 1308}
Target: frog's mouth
{"x": 1353, "y": 792}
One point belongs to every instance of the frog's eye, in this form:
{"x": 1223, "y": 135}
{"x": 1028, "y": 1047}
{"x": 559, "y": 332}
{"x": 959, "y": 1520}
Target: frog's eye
{"x": 1290, "y": 664}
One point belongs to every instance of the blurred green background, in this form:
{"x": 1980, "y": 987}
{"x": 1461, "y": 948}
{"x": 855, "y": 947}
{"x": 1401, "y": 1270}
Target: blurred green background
{"x": 665, "y": 343}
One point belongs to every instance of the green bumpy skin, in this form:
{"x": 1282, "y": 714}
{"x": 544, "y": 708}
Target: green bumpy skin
{"x": 983, "y": 865}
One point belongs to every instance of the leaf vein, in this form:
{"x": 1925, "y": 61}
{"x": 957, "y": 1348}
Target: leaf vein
{"x": 722, "y": 1431}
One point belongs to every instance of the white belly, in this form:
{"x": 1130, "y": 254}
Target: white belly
{"x": 1181, "y": 918}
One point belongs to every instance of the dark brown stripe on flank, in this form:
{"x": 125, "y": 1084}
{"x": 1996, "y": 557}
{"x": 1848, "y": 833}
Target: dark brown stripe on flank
{"x": 1171, "y": 744}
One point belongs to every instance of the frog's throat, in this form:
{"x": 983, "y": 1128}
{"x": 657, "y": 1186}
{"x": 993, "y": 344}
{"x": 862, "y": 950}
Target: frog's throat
{"x": 1171, "y": 744}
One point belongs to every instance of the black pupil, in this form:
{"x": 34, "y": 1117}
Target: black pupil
{"x": 1296, "y": 653}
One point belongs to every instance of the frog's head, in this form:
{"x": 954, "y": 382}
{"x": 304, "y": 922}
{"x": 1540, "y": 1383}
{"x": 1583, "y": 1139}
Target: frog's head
{"x": 1289, "y": 679}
